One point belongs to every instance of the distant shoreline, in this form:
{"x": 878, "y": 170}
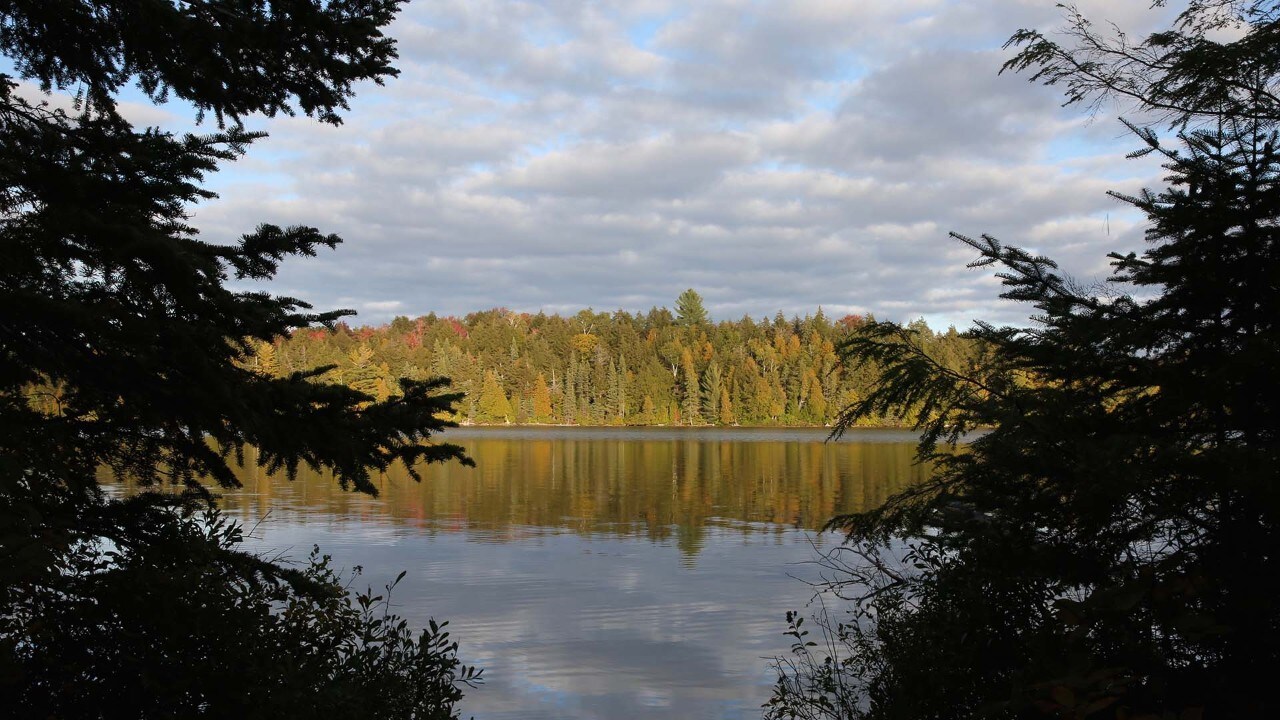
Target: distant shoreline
{"x": 745, "y": 433}
{"x": 904, "y": 428}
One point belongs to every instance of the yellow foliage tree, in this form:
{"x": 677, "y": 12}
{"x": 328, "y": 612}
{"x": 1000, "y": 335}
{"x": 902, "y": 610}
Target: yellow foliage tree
{"x": 585, "y": 343}
{"x": 266, "y": 361}
{"x": 542, "y": 409}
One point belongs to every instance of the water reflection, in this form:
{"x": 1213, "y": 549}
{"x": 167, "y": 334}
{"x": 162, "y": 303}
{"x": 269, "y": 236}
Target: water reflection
{"x": 659, "y": 484}
{"x": 598, "y": 573}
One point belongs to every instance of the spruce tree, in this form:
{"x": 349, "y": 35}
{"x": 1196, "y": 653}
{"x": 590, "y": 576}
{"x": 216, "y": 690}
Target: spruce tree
{"x": 1107, "y": 549}
{"x": 493, "y": 403}
{"x": 614, "y": 405}
{"x": 712, "y": 385}
{"x": 111, "y": 302}
{"x": 569, "y": 398}
{"x": 624, "y": 385}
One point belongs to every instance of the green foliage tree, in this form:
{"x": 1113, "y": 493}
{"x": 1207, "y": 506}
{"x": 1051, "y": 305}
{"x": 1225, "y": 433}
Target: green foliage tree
{"x": 689, "y": 309}
{"x": 360, "y": 373}
{"x": 615, "y": 405}
{"x": 493, "y": 403}
{"x": 712, "y": 388}
{"x": 1108, "y": 548}
{"x": 110, "y": 303}
{"x": 624, "y": 390}
{"x": 690, "y": 408}
{"x": 569, "y": 395}
{"x": 648, "y": 412}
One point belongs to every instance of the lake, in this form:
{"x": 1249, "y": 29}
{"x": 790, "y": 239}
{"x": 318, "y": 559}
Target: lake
{"x": 598, "y": 572}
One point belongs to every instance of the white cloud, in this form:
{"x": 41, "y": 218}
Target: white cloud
{"x": 382, "y": 305}
{"x": 775, "y": 155}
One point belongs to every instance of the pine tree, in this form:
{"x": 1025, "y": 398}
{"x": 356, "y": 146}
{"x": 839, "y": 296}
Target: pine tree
{"x": 689, "y": 309}
{"x": 147, "y": 606}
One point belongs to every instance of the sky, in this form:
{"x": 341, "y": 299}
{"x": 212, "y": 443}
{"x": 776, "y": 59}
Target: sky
{"x": 773, "y": 155}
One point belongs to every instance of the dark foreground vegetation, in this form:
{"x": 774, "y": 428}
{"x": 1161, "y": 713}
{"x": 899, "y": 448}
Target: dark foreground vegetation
{"x": 1110, "y": 549}
{"x": 654, "y": 368}
{"x": 121, "y": 347}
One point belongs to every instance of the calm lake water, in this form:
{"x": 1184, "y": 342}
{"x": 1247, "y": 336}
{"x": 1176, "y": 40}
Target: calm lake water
{"x": 598, "y": 573}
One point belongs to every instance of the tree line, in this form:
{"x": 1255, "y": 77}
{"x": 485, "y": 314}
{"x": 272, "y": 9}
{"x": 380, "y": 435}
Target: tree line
{"x": 593, "y": 368}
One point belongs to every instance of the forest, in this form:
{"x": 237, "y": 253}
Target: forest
{"x": 661, "y": 367}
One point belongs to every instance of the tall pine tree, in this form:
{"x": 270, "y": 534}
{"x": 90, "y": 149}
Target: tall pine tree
{"x": 690, "y": 311}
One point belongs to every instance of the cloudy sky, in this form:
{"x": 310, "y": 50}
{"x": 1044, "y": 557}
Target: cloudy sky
{"x": 773, "y": 155}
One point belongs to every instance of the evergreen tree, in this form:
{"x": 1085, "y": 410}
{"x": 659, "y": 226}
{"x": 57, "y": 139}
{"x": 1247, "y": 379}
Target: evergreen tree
{"x": 648, "y": 411}
{"x": 587, "y": 391}
{"x": 689, "y": 309}
{"x": 815, "y": 400}
{"x": 266, "y": 360}
{"x": 361, "y": 373}
{"x": 725, "y": 415}
{"x": 624, "y": 387}
{"x": 569, "y": 399}
{"x": 542, "y": 408}
{"x": 1108, "y": 548}
{"x": 690, "y": 408}
{"x": 712, "y": 385}
{"x": 144, "y": 607}
{"x": 613, "y": 395}
{"x": 493, "y": 405}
